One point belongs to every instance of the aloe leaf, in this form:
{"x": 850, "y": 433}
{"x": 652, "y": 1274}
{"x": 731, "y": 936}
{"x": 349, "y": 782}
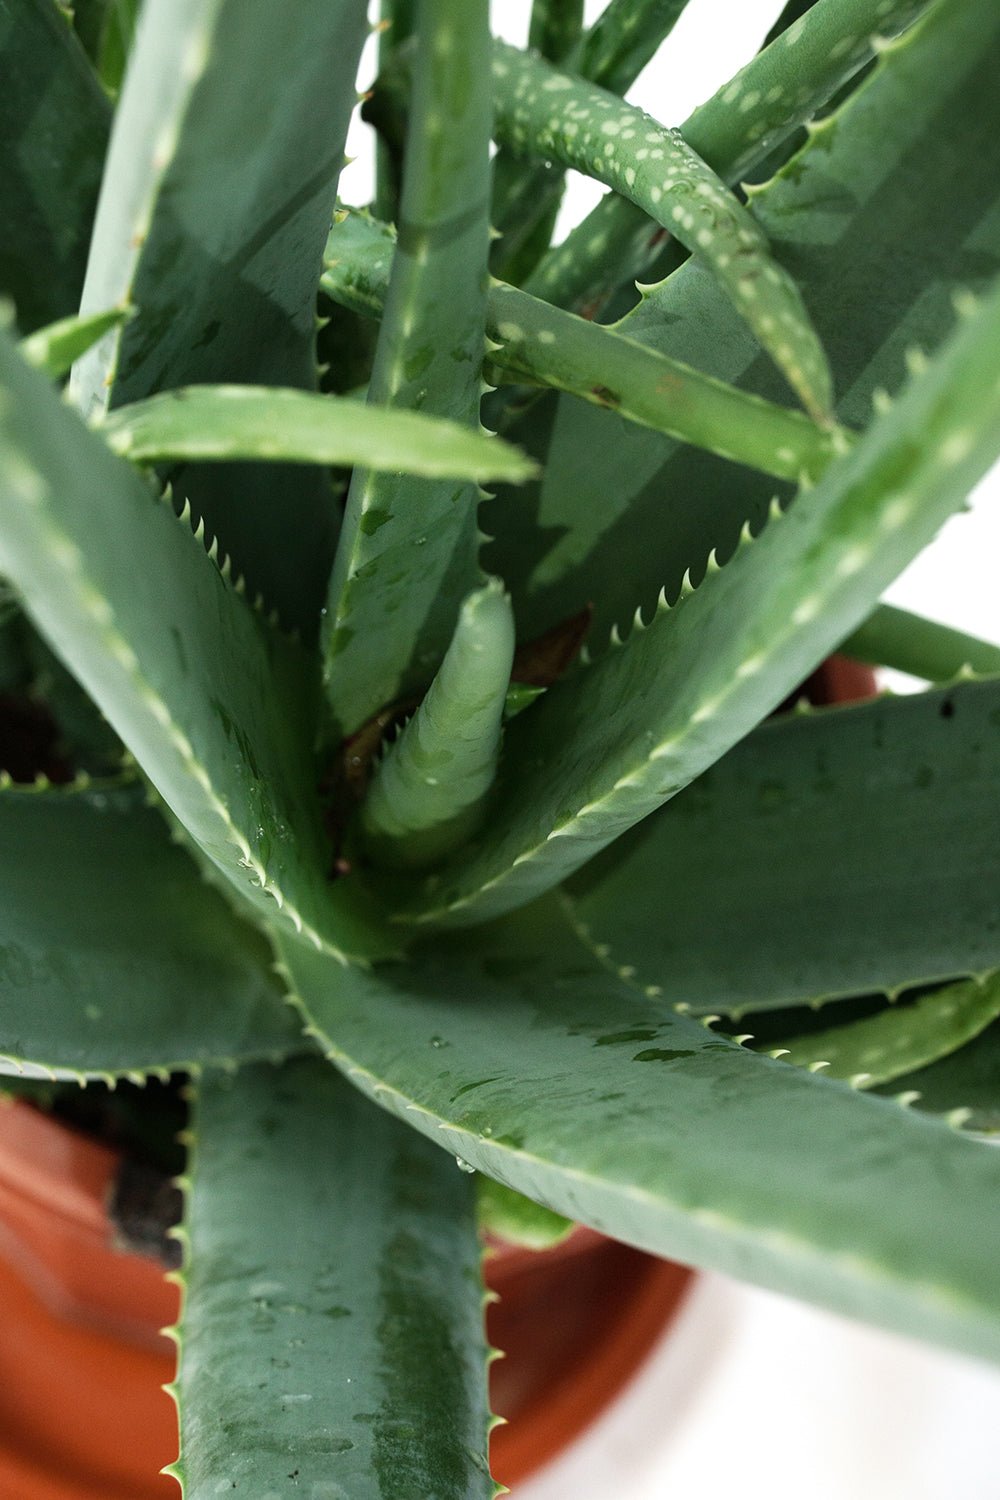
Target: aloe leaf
{"x": 158, "y": 975}
{"x": 605, "y": 747}
{"x": 624, "y": 38}
{"x": 331, "y": 1341}
{"x": 892, "y": 637}
{"x": 829, "y": 854}
{"x": 273, "y": 426}
{"x": 429, "y": 791}
{"x": 530, "y": 340}
{"x": 216, "y": 707}
{"x": 962, "y": 1086}
{"x": 514, "y": 1218}
{"x": 542, "y": 110}
{"x": 516, "y": 1051}
{"x": 555, "y": 28}
{"x": 899, "y": 1039}
{"x": 54, "y": 120}
{"x": 616, "y": 518}
{"x": 53, "y": 348}
{"x": 224, "y": 283}
{"x": 408, "y": 553}
{"x": 777, "y": 92}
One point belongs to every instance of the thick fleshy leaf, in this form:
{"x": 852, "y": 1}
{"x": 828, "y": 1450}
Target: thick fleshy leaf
{"x": 621, "y": 513}
{"x": 605, "y": 747}
{"x": 548, "y": 112}
{"x": 893, "y": 637}
{"x": 544, "y": 345}
{"x": 899, "y": 1039}
{"x": 116, "y": 957}
{"x": 216, "y": 707}
{"x": 516, "y": 1050}
{"x": 227, "y": 422}
{"x": 331, "y": 1342}
{"x": 53, "y": 348}
{"x": 429, "y": 792}
{"x": 408, "y": 554}
{"x": 624, "y": 38}
{"x": 829, "y": 854}
{"x": 54, "y": 122}
{"x": 964, "y": 1086}
{"x": 224, "y": 283}
{"x": 734, "y": 131}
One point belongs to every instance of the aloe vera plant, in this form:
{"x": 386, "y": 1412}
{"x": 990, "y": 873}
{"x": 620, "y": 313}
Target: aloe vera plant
{"x": 344, "y": 830}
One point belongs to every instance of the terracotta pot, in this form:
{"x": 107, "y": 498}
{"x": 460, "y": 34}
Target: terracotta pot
{"x": 82, "y": 1415}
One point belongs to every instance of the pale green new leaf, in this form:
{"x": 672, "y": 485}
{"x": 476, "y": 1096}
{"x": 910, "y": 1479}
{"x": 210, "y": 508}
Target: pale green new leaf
{"x": 54, "y": 348}
{"x": 227, "y": 422}
{"x": 899, "y": 1039}
{"x": 963, "y": 1086}
{"x": 217, "y": 708}
{"x": 408, "y": 554}
{"x": 429, "y": 792}
{"x": 604, "y": 748}
{"x": 515, "y": 1050}
{"x": 828, "y": 854}
{"x": 155, "y": 975}
{"x": 224, "y": 281}
{"x": 331, "y": 1342}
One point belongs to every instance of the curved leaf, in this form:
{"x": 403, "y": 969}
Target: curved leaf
{"x": 115, "y": 958}
{"x": 332, "y": 1340}
{"x": 53, "y": 348}
{"x": 515, "y": 1050}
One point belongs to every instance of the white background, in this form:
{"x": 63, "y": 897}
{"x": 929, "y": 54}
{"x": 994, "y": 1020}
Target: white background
{"x": 754, "y": 1397}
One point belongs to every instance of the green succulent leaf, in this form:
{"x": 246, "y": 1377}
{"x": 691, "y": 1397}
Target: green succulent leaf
{"x": 543, "y": 110}
{"x": 517, "y": 1051}
{"x": 777, "y": 92}
{"x": 624, "y": 38}
{"x": 899, "y": 1039}
{"x": 829, "y": 854}
{"x": 54, "y": 348}
{"x": 896, "y": 638}
{"x": 54, "y": 122}
{"x": 156, "y": 975}
{"x": 531, "y": 341}
{"x": 622, "y": 513}
{"x": 429, "y": 792}
{"x": 216, "y": 707}
{"x": 235, "y": 421}
{"x": 408, "y": 554}
{"x": 332, "y": 1337}
{"x": 962, "y": 1086}
{"x": 512, "y": 1217}
{"x": 605, "y": 747}
{"x": 555, "y": 28}
{"x": 224, "y": 283}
